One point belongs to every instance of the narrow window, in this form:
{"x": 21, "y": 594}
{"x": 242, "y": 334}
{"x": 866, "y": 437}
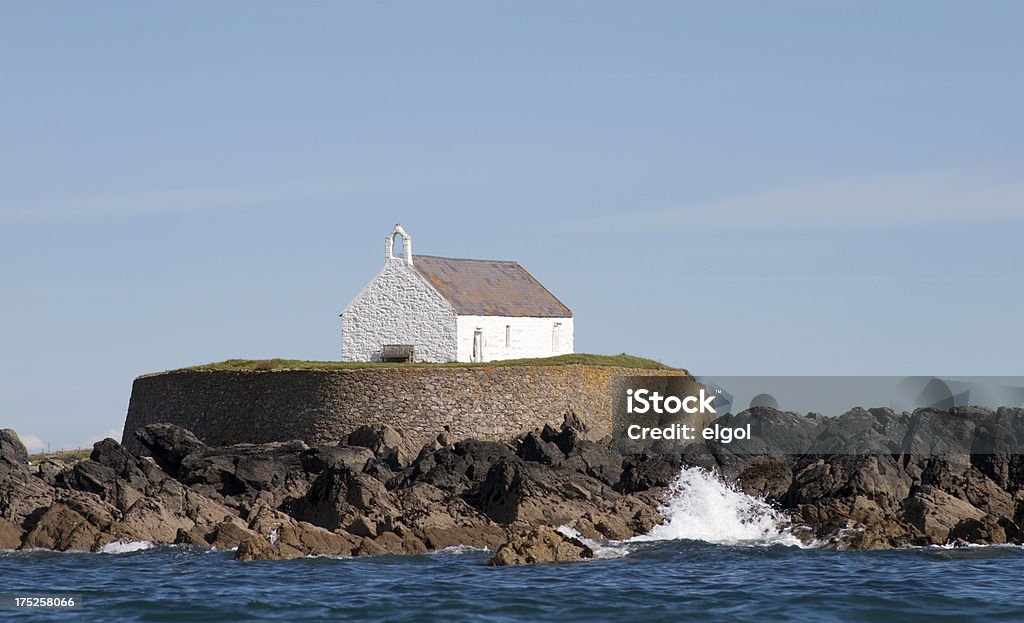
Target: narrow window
{"x": 555, "y": 337}
{"x": 508, "y": 336}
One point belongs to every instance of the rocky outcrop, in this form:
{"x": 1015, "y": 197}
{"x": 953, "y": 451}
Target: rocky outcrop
{"x": 924, "y": 490}
{"x": 541, "y": 545}
{"x": 375, "y": 493}
{"x": 12, "y": 451}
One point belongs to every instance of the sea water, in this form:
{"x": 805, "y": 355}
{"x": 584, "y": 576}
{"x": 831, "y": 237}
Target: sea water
{"x": 720, "y": 556}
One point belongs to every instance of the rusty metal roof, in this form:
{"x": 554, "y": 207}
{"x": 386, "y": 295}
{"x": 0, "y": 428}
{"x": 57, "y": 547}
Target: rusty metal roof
{"x": 489, "y": 287}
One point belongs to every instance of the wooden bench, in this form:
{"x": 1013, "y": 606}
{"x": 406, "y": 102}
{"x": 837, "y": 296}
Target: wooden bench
{"x": 401, "y": 353}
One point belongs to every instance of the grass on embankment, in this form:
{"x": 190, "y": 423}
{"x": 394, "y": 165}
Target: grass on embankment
{"x": 62, "y": 456}
{"x": 623, "y": 361}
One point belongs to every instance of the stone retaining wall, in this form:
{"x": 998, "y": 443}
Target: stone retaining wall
{"x": 319, "y": 406}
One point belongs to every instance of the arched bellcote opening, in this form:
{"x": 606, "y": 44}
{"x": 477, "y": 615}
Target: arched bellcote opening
{"x": 389, "y": 245}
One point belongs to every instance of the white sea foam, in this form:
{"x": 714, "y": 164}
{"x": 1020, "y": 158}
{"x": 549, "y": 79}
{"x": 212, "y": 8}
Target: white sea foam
{"x": 703, "y": 508}
{"x": 461, "y": 549}
{"x": 123, "y": 547}
{"x": 601, "y": 549}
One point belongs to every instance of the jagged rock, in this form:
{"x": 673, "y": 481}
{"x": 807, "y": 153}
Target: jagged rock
{"x": 228, "y": 535}
{"x": 773, "y": 433}
{"x": 240, "y": 475}
{"x": 879, "y": 478}
{"x": 439, "y": 520}
{"x": 169, "y": 445}
{"x": 858, "y": 431}
{"x": 88, "y": 476}
{"x": 149, "y": 517}
{"x": 376, "y": 468}
{"x": 770, "y": 479}
{"x": 48, "y": 471}
{"x": 280, "y": 537}
{"x": 533, "y": 448}
{"x": 10, "y": 535}
{"x": 387, "y": 444}
{"x": 362, "y": 526}
{"x": 957, "y": 475}
{"x": 573, "y": 430}
{"x": 11, "y": 449}
{"x": 541, "y": 545}
{"x": 596, "y": 460}
{"x": 413, "y": 545}
{"x": 193, "y": 537}
{"x": 316, "y": 460}
{"x": 989, "y": 529}
{"x": 856, "y": 523}
{"x": 78, "y": 521}
{"x": 461, "y": 467}
{"x": 23, "y": 496}
{"x": 339, "y": 495}
{"x": 528, "y": 494}
{"x": 642, "y": 473}
{"x": 503, "y": 491}
{"x": 935, "y": 512}
{"x": 284, "y": 500}
{"x": 62, "y": 528}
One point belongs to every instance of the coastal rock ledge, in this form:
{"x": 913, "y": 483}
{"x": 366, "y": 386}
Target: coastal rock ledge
{"x": 375, "y": 493}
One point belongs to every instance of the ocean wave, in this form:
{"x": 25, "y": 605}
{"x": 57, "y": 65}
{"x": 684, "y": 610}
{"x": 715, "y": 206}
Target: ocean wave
{"x": 703, "y": 508}
{"x": 124, "y": 547}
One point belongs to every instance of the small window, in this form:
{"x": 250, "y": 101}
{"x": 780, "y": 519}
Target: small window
{"x": 508, "y": 336}
{"x": 555, "y": 337}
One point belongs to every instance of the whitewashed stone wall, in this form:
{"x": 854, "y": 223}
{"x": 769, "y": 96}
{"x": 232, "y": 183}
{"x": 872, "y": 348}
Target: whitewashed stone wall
{"x": 528, "y": 337}
{"x": 398, "y": 307}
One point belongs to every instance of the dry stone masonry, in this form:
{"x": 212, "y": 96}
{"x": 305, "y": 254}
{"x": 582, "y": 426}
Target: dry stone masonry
{"x": 319, "y": 406}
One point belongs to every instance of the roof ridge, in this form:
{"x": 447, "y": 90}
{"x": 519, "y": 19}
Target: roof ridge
{"x": 463, "y": 259}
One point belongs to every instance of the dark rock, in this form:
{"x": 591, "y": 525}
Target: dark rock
{"x": 279, "y": 537}
{"x": 10, "y": 535}
{"x": 596, "y": 460}
{"x": 770, "y": 478}
{"x": 240, "y": 475}
{"x": 169, "y": 445}
{"x": 78, "y": 522}
{"x": 285, "y": 500}
{"x": 89, "y": 476}
{"x": 194, "y": 537}
{"x": 988, "y": 530}
{"x": 573, "y": 429}
{"x": 935, "y": 512}
{"x": 339, "y": 495}
{"x": 541, "y": 545}
{"x": 533, "y": 448}
{"x": 502, "y": 492}
{"x": 316, "y": 460}
{"x": 228, "y": 535}
{"x": 362, "y": 526}
{"x": 387, "y": 444}
{"x": 11, "y": 449}
{"x": 641, "y": 473}
{"x": 461, "y": 467}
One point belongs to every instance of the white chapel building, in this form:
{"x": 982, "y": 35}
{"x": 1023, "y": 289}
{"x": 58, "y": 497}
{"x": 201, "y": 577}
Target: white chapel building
{"x": 440, "y": 309}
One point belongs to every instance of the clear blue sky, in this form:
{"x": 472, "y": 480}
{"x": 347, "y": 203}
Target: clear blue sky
{"x": 822, "y": 187}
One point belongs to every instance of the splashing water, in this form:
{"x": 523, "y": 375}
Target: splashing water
{"x": 124, "y": 547}
{"x": 703, "y": 508}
